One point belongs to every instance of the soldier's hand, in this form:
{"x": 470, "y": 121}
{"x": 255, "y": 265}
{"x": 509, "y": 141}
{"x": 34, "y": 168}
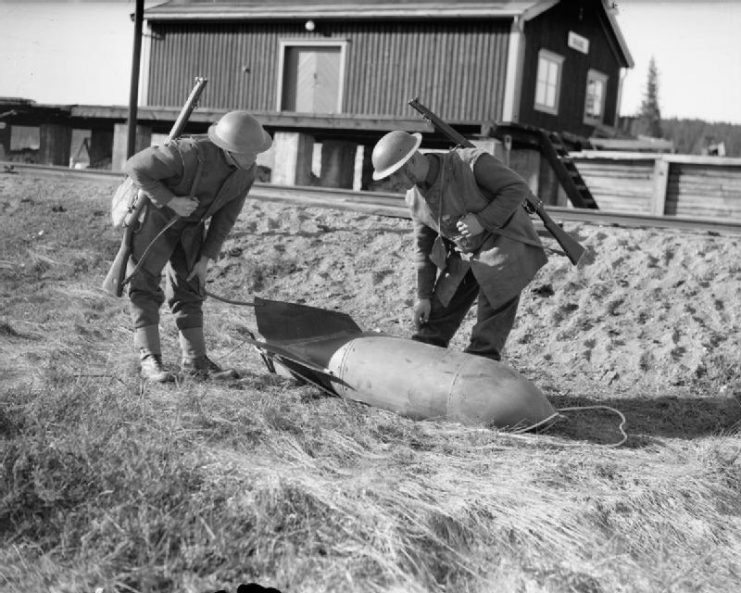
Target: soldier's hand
{"x": 422, "y": 310}
{"x": 199, "y": 271}
{"x": 469, "y": 226}
{"x": 183, "y": 206}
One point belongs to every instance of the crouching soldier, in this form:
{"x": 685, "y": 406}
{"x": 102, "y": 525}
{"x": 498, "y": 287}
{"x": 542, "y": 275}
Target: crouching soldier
{"x": 194, "y": 179}
{"x": 474, "y": 240}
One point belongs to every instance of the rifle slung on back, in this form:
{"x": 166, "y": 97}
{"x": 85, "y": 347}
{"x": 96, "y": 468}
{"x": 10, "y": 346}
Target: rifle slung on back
{"x": 115, "y": 279}
{"x": 571, "y": 247}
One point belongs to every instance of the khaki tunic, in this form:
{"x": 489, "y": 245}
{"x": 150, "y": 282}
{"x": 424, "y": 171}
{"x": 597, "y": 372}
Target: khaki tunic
{"x": 504, "y": 258}
{"x": 185, "y": 167}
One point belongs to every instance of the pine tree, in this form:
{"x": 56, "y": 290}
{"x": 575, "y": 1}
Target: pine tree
{"x": 649, "y": 118}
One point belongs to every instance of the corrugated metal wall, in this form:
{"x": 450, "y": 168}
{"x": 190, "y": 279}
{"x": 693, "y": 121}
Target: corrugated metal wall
{"x": 457, "y": 68}
{"x": 241, "y": 72}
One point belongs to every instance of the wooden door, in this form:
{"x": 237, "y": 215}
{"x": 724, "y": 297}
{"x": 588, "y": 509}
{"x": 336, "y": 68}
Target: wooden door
{"x": 311, "y": 79}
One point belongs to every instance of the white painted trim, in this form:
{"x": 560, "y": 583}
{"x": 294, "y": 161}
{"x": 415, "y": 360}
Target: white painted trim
{"x": 510, "y": 108}
{"x": 144, "y": 63}
{"x": 618, "y": 33}
{"x": 619, "y": 101}
{"x": 593, "y": 74}
{"x": 343, "y": 65}
{"x": 686, "y": 159}
{"x": 661, "y": 182}
{"x": 553, "y": 57}
{"x": 220, "y": 11}
{"x": 538, "y": 9}
{"x": 283, "y": 44}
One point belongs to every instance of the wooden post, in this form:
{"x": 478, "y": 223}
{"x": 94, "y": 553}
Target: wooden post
{"x": 5, "y": 129}
{"x": 101, "y": 148}
{"x": 490, "y": 145}
{"x": 120, "y": 144}
{"x": 366, "y": 170}
{"x": 292, "y": 158}
{"x": 54, "y": 144}
{"x": 131, "y": 141}
{"x": 549, "y": 187}
{"x": 338, "y": 163}
{"x": 660, "y": 183}
{"x": 526, "y": 163}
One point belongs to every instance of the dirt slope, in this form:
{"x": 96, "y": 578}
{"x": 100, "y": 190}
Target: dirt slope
{"x": 647, "y": 312}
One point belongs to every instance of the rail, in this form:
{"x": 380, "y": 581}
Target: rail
{"x": 392, "y": 204}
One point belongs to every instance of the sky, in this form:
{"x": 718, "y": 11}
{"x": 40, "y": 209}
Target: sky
{"x": 697, "y": 48}
{"x": 696, "y": 45}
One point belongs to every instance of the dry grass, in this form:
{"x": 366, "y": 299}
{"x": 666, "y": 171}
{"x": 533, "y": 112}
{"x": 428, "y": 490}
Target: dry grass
{"x": 108, "y": 483}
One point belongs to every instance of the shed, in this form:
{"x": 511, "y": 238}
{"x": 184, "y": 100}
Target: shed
{"x": 553, "y": 64}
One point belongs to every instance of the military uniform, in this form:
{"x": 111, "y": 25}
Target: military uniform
{"x": 493, "y": 266}
{"x": 186, "y": 167}
{"x": 163, "y": 172}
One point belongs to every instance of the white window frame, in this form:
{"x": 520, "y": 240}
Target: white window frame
{"x": 542, "y": 78}
{"x": 284, "y": 44}
{"x": 601, "y": 78}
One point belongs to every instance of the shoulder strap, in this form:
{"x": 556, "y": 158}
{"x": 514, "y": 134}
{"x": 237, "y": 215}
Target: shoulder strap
{"x": 199, "y": 170}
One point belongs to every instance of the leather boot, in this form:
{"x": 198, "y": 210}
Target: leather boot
{"x": 195, "y": 363}
{"x": 147, "y": 339}
{"x": 152, "y": 369}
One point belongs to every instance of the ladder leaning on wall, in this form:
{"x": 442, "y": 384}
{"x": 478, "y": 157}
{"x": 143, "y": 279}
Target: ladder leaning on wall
{"x": 553, "y": 149}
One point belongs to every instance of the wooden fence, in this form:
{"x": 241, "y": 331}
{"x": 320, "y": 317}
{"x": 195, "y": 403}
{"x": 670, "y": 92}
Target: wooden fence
{"x": 679, "y": 185}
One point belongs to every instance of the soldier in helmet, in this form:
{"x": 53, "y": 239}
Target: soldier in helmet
{"x": 196, "y": 179}
{"x": 473, "y": 238}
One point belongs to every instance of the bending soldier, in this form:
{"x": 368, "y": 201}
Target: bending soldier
{"x": 473, "y": 239}
{"x": 194, "y": 178}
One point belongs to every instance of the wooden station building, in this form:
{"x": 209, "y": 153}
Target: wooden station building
{"x": 340, "y": 74}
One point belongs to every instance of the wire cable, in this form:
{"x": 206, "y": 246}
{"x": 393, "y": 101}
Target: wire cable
{"x": 623, "y": 421}
{"x": 559, "y": 414}
{"x": 144, "y": 255}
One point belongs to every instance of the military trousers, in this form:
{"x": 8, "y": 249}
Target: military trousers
{"x": 493, "y": 321}
{"x": 176, "y": 253}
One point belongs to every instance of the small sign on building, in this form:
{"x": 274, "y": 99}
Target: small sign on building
{"x": 578, "y": 42}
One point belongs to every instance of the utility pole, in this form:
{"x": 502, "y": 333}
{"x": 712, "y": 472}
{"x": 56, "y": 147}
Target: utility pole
{"x": 134, "y": 89}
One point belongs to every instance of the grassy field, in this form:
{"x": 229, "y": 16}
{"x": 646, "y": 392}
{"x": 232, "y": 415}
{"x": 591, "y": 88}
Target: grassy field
{"x": 111, "y": 485}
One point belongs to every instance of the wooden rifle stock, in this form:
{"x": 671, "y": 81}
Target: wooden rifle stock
{"x": 115, "y": 279}
{"x": 571, "y": 247}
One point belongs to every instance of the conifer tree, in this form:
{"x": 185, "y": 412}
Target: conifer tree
{"x": 649, "y": 118}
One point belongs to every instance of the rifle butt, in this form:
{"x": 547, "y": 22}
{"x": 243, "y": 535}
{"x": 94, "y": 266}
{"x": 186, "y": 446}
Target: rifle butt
{"x": 113, "y": 283}
{"x": 571, "y": 247}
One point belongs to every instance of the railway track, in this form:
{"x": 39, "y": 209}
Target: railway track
{"x": 390, "y": 204}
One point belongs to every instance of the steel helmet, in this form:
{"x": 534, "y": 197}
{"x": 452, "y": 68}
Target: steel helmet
{"x": 392, "y": 151}
{"x": 239, "y": 132}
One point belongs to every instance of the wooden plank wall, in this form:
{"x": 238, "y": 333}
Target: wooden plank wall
{"x": 676, "y": 185}
{"x": 619, "y": 186}
{"x": 699, "y": 190}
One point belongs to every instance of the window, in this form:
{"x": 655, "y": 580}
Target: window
{"x": 311, "y": 76}
{"x": 594, "y": 106}
{"x": 548, "y": 81}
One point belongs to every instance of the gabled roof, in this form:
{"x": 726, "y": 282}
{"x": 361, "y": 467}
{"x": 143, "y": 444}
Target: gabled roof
{"x": 367, "y": 9}
{"x": 231, "y": 10}
{"x": 606, "y": 5}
